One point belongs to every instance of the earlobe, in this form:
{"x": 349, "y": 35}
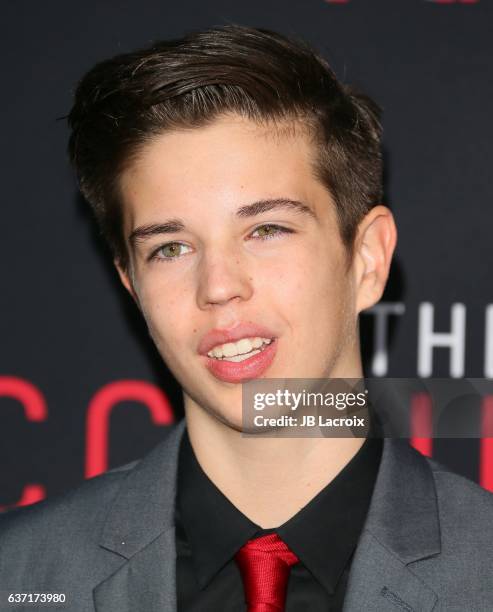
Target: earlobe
{"x": 376, "y": 240}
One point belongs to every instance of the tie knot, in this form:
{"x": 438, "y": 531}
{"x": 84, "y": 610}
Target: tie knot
{"x": 265, "y": 564}
{"x": 270, "y": 545}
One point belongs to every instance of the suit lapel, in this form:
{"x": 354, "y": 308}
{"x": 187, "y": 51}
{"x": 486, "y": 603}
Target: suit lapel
{"x": 140, "y": 531}
{"x": 402, "y": 527}
{"x": 379, "y": 582}
{"x": 145, "y": 582}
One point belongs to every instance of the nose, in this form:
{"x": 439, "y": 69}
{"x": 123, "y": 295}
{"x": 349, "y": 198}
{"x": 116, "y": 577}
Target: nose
{"x": 223, "y": 277}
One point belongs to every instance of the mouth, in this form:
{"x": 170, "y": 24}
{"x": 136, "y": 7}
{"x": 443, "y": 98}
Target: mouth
{"x": 240, "y": 352}
{"x": 243, "y": 367}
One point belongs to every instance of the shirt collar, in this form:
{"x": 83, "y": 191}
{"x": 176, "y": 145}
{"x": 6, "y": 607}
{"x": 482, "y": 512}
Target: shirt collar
{"x": 323, "y": 534}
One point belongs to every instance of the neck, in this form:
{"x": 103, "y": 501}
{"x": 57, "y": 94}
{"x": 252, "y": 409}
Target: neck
{"x": 268, "y": 479}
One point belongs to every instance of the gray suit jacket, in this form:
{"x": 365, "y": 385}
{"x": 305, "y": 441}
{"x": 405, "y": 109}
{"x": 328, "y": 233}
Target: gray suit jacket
{"x": 109, "y": 545}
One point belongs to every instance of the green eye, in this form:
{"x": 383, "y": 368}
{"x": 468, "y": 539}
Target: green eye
{"x": 267, "y": 230}
{"x": 170, "y": 250}
{"x": 270, "y": 230}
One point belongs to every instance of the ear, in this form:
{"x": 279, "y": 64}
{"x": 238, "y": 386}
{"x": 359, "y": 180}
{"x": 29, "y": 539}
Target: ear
{"x": 373, "y": 249}
{"x": 125, "y": 277}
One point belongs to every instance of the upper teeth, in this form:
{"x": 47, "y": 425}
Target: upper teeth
{"x": 245, "y": 345}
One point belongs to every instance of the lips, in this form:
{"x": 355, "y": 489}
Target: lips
{"x": 243, "y": 371}
{"x": 232, "y": 334}
{"x": 236, "y": 372}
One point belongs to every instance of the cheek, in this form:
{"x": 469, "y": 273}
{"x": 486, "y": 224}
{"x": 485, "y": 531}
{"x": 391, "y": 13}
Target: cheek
{"x": 325, "y": 292}
{"x": 162, "y": 308}
{"x": 282, "y": 287}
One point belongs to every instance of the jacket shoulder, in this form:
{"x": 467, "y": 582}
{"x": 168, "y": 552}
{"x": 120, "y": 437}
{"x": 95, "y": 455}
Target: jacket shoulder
{"x": 75, "y": 516}
{"x": 461, "y": 573}
{"x": 465, "y": 511}
{"x": 68, "y": 527}
{"x": 462, "y": 503}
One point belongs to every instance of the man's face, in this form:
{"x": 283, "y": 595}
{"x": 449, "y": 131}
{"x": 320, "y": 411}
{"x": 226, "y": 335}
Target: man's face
{"x": 283, "y": 270}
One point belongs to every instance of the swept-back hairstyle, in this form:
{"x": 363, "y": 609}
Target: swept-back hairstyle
{"x": 124, "y": 102}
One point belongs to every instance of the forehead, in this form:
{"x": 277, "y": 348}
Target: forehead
{"x": 229, "y": 159}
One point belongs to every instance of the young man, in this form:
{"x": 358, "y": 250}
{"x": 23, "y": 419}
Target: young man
{"x": 239, "y": 186}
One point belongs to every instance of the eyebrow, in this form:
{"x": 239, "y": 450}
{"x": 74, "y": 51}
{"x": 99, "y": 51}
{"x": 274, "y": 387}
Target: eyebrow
{"x": 171, "y": 226}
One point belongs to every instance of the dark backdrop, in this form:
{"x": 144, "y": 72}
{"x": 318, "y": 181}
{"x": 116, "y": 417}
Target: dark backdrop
{"x": 72, "y": 344}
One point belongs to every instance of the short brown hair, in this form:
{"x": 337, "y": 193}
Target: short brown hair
{"x": 125, "y": 101}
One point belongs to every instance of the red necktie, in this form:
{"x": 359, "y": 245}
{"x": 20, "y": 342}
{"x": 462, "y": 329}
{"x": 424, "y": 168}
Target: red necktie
{"x": 265, "y": 564}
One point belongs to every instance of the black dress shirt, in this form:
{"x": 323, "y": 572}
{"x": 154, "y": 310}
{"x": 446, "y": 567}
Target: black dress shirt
{"x": 323, "y": 534}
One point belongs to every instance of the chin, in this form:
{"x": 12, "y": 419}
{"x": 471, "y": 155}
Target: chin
{"x": 232, "y": 423}
{"x": 229, "y": 418}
